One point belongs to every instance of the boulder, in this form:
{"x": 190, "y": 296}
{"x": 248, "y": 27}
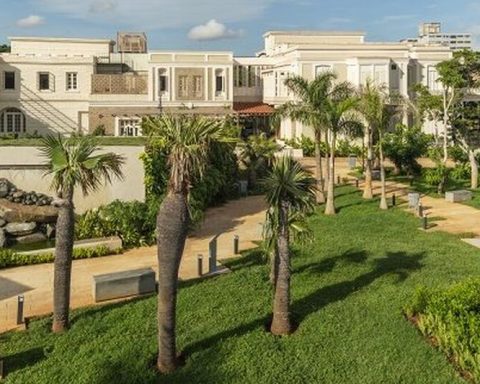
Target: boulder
{"x": 35, "y": 237}
{"x": 4, "y": 187}
{"x": 20, "y": 229}
{"x": 2, "y": 223}
{"x": 18, "y": 213}
{"x": 50, "y": 231}
{"x": 3, "y": 238}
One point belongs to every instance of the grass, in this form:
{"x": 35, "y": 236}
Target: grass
{"x": 102, "y": 140}
{"x": 348, "y": 290}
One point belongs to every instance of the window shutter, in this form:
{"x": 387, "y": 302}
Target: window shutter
{"x": 51, "y": 81}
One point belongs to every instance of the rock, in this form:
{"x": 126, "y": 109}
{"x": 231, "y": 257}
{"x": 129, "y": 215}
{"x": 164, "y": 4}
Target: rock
{"x": 50, "y": 231}
{"x": 3, "y": 238}
{"x": 20, "y": 229}
{"x": 19, "y": 213}
{"x": 4, "y": 187}
{"x": 18, "y": 194}
{"x": 32, "y": 238}
{"x": 2, "y": 223}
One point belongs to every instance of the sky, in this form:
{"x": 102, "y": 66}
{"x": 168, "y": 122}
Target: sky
{"x": 233, "y": 25}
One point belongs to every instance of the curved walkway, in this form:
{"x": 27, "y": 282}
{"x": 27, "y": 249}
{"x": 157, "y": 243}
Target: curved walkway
{"x": 243, "y": 217}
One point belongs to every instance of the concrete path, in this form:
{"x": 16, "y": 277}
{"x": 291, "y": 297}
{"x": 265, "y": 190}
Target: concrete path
{"x": 243, "y": 217}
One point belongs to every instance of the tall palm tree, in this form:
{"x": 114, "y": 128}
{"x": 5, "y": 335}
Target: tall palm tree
{"x": 308, "y": 108}
{"x": 379, "y": 108}
{"x": 339, "y": 118}
{"x": 72, "y": 162}
{"x": 189, "y": 140}
{"x": 289, "y": 189}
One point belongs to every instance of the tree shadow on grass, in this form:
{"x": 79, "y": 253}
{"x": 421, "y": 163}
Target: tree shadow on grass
{"x": 20, "y": 360}
{"x": 327, "y": 265}
{"x": 399, "y": 264}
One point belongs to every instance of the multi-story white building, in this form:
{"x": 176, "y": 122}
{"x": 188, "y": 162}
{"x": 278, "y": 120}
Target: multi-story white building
{"x": 79, "y": 85}
{"x": 431, "y": 34}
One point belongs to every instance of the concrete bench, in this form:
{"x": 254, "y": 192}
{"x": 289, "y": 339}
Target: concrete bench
{"x": 123, "y": 284}
{"x": 458, "y": 196}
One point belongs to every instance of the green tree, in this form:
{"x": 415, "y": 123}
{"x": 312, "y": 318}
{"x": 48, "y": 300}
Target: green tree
{"x": 189, "y": 139}
{"x": 429, "y": 106}
{"x": 309, "y": 109}
{"x": 289, "y": 190}
{"x": 379, "y": 109}
{"x": 72, "y": 163}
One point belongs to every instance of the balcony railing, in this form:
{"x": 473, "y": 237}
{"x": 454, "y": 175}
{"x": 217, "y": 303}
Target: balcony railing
{"x": 120, "y": 84}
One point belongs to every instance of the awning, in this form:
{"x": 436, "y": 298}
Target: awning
{"x": 253, "y": 109}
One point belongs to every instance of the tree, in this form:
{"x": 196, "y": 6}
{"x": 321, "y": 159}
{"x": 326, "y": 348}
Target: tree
{"x": 429, "y": 106}
{"x": 308, "y": 108}
{"x": 72, "y": 163}
{"x": 189, "y": 139}
{"x": 289, "y": 190}
{"x": 339, "y": 117}
{"x": 379, "y": 109}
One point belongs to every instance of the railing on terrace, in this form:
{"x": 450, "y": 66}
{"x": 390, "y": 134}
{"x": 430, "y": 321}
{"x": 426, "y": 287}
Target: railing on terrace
{"x": 120, "y": 84}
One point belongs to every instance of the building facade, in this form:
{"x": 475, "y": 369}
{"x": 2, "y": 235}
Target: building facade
{"x": 85, "y": 85}
{"x": 431, "y": 34}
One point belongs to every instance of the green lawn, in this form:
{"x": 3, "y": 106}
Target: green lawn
{"x": 102, "y": 140}
{"x": 348, "y": 290}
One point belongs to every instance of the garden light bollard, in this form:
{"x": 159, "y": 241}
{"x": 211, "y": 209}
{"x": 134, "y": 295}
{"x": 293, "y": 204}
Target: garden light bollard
{"x": 394, "y": 200}
{"x": 20, "y": 302}
{"x": 236, "y": 245}
{"x": 420, "y": 210}
{"x": 356, "y": 183}
{"x": 424, "y": 222}
{"x": 212, "y": 255}
{"x": 200, "y": 265}
{"x": 338, "y": 179}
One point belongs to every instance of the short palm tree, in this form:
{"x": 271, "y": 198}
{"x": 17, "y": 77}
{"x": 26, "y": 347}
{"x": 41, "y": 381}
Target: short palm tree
{"x": 288, "y": 189}
{"x": 189, "y": 140}
{"x": 379, "y": 108}
{"x": 339, "y": 118}
{"x": 309, "y": 109}
{"x": 72, "y": 163}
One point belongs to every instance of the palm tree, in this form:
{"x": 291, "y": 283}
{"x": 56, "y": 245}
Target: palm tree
{"x": 379, "y": 108}
{"x": 189, "y": 140}
{"x": 289, "y": 189}
{"x": 72, "y": 163}
{"x": 339, "y": 118}
{"x": 308, "y": 108}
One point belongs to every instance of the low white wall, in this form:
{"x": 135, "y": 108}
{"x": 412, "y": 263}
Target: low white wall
{"x": 22, "y": 166}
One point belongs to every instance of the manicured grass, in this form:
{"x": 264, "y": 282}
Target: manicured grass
{"x": 348, "y": 290}
{"x": 102, "y": 140}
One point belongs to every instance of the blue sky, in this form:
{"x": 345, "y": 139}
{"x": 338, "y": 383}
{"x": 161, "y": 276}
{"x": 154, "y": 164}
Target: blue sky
{"x": 235, "y": 25}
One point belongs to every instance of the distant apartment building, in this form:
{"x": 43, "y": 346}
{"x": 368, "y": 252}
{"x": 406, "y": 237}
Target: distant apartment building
{"x": 431, "y": 34}
{"x": 80, "y": 85}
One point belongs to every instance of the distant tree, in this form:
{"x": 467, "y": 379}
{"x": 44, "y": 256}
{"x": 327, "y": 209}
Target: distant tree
{"x": 4, "y": 48}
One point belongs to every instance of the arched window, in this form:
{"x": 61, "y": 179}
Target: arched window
{"x": 12, "y": 120}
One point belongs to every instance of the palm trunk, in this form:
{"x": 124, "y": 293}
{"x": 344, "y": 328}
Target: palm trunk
{"x": 383, "y": 199}
{"x": 473, "y": 169}
{"x": 281, "y": 324}
{"x": 367, "y": 190}
{"x": 327, "y": 152}
{"x": 330, "y": 207}
{"x": 274, "y": 267}
{"x": 320, "y": 195}
{"x": 172, "y": 228}
{"x": 63, "y": 262}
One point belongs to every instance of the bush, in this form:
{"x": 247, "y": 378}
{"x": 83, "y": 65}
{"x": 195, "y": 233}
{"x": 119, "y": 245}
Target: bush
{"x": 9, "y": 258}
{"x": 452, "y": 317}
{"x": 134, "y": 222}
{"x": 345, "y": 148}
{"x": 305, "y": 143}
{"x": 404, "y": 146}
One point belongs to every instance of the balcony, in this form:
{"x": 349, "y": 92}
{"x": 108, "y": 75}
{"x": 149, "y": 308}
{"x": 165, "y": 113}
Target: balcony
{"x": 120, "y": 84}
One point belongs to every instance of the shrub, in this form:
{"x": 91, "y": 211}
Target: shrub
{"x": 306, "y": 144}
{"x": 452, "y": 317}
{"x": 404, "y": 146}
{"x": 346, "y": 148}
{"x": 133, "y": 222}
{"x": 9, "y": 258}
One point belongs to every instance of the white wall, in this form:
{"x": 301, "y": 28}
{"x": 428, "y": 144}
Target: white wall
{"x": 25, "y": 172}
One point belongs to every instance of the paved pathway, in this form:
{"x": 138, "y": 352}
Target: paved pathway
{"x": 243, "y": 217}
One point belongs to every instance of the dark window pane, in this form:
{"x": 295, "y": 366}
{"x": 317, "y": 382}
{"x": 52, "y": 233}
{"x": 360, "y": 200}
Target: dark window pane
{"x": 44, "y": 81}
{"x": 219, "y": 84}
{"x": 9, "y": 80}
{"x": 163, "y": 83}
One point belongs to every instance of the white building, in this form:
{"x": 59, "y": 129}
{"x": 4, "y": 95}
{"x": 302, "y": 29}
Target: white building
{"x": 431, "y": 34}
{"x": 80, "y": 85}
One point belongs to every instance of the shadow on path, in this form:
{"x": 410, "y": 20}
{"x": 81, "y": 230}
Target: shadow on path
{"x": 10, "y": 288}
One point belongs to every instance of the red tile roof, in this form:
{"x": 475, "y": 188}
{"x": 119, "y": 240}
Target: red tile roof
{"x": 253, "y": 109}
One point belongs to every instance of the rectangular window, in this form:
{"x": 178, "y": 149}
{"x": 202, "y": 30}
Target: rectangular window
{"x": 182, "y": 86}
{"x": 9, "y": 80}
{"x": 44, "y": 81}
{"x": 219, "y": 84}
{"x": 432, "y": 77}
{"x": 321, "y": 69}
{"x": 197, "y": 85}
{"x": 129, "y": 127}
{"x": 72, "y": 83}
{"x": 162, "y": 83}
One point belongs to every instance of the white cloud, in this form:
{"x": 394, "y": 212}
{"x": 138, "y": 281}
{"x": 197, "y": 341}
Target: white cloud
{"x": 30, "y": 21}
{"x": 394, "y": 18}
{"x": 157, "y": 14}
{"x": 213, "y": 30}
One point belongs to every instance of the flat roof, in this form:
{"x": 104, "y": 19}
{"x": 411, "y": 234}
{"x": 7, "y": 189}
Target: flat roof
{"x": 60, "y": 39}
{"x": 316, "y": 33}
